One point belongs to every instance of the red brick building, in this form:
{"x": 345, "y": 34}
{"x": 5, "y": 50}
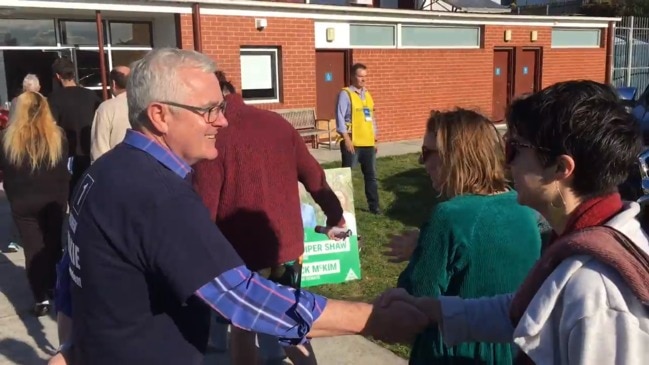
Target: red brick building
{"x": 288, "y": 55}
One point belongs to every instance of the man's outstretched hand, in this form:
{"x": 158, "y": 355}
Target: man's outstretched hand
{"x": 396, "y": 321}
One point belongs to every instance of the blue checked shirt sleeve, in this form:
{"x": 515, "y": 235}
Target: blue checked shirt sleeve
{"x": 254, "y": 303}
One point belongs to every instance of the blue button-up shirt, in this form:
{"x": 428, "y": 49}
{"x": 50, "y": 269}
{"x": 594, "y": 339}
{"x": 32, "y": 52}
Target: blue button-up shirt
{"x": 248, "y": 300}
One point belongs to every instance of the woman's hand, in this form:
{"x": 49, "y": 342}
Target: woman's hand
{"x": 426, "y": 305}
{"x": 401, "y": 246}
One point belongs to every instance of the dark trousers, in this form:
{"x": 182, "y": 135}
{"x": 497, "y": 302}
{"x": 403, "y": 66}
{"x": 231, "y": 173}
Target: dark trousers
{"x": 40, "y": 225}
{"x": 366, "y": 156}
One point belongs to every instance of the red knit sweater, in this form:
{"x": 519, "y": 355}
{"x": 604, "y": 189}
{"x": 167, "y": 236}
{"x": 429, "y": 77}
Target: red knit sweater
{"x": 251, "y": 188}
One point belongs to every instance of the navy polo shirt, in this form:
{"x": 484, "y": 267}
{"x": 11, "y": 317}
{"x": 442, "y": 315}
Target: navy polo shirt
{"x": 140, "y": 244}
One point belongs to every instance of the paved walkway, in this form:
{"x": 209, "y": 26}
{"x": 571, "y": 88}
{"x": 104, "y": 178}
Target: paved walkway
{"x": 324, "y": 154}
{"x": 26, "y": 340}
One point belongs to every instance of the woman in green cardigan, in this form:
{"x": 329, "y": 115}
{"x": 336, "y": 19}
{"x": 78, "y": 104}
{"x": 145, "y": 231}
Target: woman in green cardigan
{"x": 478, "y": 242}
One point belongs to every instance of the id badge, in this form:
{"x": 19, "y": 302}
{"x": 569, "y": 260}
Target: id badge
{"x": 368, "y": 114}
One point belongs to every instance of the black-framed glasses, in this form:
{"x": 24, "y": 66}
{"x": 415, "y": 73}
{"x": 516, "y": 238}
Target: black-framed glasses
{"x": 512, "y": 147}
{"x": 210, "y": 114}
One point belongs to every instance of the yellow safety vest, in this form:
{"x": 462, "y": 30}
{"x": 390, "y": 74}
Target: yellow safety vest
{"x": 362, "y": 117}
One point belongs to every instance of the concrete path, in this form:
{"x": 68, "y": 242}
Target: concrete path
{"x": 324, "y": 154}
{"x": 26, "y": 340}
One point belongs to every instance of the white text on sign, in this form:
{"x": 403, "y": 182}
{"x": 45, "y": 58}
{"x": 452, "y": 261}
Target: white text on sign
{"x": 326, "y": 247}
{"x": 321, "y": 268}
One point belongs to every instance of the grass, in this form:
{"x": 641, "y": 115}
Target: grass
{"x": 406, "y": 199}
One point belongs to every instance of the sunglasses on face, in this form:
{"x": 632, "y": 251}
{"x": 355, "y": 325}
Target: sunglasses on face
{"x": 512, "y": 147}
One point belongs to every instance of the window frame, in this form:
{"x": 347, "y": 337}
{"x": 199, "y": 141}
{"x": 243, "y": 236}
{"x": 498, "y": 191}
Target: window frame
{"x": 600, "y": 42}
{"x": 129, "y": 47}
{"x": 55, "y": 29}
{"x": 275, "y": 52}
{"x": 451, "y": 26}
{"x": 395, "y": 39}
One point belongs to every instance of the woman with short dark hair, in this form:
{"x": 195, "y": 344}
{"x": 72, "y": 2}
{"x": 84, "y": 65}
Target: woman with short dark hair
{"x": 585, "y": 301}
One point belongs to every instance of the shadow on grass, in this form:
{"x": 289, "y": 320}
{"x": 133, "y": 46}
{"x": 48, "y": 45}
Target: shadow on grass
{"x": 414, "y": 198}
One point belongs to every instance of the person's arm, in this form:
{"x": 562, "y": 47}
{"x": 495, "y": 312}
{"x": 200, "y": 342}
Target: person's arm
{"x": 100, "y": 133}
{"x": 312, "y": 176}
{"x": 208, "y": 182}
{"x": 343, "y": 116}
{"x": 187, "y": 250}
{"x": 462, "y": 320}
{"x": 254, "y": 303}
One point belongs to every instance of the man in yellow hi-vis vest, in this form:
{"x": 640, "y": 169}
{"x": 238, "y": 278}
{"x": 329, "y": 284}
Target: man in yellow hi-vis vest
{"x": 356, "y": 124}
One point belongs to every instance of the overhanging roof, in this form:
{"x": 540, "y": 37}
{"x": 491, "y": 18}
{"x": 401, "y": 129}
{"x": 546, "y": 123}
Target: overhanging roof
{"x": 486, "y": 6}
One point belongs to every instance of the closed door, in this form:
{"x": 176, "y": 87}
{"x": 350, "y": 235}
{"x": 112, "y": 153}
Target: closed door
{"x": 330, "y": 69}
{"x": 502, "y": 83}
{"x": 527, "y": 71}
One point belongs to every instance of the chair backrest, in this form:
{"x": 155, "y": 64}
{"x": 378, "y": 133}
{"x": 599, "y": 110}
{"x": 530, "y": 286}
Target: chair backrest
{"x": 303, "y": 118}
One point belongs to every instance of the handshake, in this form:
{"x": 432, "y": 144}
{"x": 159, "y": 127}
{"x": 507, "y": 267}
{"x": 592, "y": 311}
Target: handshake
{"x": 398, "y": 317}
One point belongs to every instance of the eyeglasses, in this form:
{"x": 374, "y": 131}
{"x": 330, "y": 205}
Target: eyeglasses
{"x": 210, "y": 114}
{"x": 512, "y": 148}
{"x": 425, "y": 154}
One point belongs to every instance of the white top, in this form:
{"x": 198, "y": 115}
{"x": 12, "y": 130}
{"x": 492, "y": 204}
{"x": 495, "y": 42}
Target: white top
{"x": 584, "y": 313}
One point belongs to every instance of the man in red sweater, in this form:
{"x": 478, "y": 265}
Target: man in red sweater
{"x": 251, "y": 190}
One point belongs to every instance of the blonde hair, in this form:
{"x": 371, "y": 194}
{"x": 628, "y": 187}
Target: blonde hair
{"x": 471, "y": 152}
{"x": 32, "y": 135}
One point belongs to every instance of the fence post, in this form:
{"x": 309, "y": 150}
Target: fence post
{"x": 629, "y": 56}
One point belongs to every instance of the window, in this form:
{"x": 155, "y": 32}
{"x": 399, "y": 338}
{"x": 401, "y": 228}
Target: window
{"x": 79, "y": 33}
{"x": 88, "y": 70}
{"x": 260, "y": 79}
{"x": 126, "y": 57}
{"x": 365, "y": 35}
{"x": 130, "y": 34}
{"x": 27, "y": 32}
{"x": 576, "y": 38}
{"x": 440, "y": 36}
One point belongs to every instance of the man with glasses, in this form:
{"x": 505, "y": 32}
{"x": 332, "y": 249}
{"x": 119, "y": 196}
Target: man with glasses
{"x": 147, "y": 263}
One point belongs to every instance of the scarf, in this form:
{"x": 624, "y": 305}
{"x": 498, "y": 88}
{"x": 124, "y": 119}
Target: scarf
{"x": 585, "y": 236}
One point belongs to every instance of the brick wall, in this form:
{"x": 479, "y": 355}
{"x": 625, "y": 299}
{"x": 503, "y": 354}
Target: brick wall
{"x": 406, "y": 84}
{"x": 224, "y": 35}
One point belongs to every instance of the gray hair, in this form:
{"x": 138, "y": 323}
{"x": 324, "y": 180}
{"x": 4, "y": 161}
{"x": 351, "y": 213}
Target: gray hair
{"x": 155, "y": 78}
{"x": 31, "y": 83}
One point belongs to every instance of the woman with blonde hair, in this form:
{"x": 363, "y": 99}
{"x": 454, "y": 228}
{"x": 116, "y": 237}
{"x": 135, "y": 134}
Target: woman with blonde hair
{"x": 478, "y": 242}
{"x": 33, "y": 160}
{"x": 30, "y": 83}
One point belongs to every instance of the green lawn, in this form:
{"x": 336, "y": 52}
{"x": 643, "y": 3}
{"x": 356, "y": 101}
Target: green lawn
{"x": 406, "y": 199}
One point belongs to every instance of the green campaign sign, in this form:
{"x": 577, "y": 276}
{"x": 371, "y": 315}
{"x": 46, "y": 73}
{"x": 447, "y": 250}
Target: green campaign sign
{"x": 328, "y": 261}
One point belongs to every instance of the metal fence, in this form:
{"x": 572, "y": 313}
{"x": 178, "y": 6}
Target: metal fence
{"x": 631, "y": 62}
